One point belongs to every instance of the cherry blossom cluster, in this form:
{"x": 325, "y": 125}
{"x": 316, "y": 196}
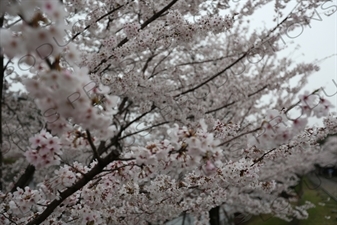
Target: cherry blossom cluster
{"x": 44, "y": 151}
{"x": 140, "y": 189}
{"x": 63, "y": 87}
{"x": 168, "y": 75}
{"x": 279, "y": 127}
{"x": 28, "y": 38}
{"x": 186, "y": 149}
{"x": 67, "y": 95}
{"x": 175, "y": 26}
{"x": 131, "y": 30}
{"x": 224, "y": 130}
{"x": 313, "y": 103}
{"x": 24, "y": 201}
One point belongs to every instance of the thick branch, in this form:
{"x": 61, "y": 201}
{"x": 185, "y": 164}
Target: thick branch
{"x": 25, "y": 178}
{"x": 113, "y": 155}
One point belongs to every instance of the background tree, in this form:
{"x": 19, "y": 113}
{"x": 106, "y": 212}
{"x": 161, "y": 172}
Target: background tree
{"x": 137, "y": 112}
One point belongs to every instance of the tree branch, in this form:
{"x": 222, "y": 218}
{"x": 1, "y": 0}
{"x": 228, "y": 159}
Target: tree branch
{"x": 93, "y": 147}
{"x": 125, "y": 40}
{"x": 113, "y": 155}
{"x": 214, "y": 76}
{"x": 240, "y": 135}
{"x": 232, "y": 103}
{"x": 25, "y": 178}
{"x": 102, "y": 17}
{"x": 148, "y": 128}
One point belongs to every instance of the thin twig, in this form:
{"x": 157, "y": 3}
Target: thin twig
{"x": 240, "y": 135}
{"x": 93, "y": 147}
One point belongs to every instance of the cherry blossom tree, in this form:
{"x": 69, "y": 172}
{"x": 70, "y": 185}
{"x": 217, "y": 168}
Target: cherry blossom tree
{"x": 139, "y": 112}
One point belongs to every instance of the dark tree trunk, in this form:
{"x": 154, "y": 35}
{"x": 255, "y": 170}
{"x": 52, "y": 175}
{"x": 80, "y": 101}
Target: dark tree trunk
{"x": 2, "y": 76}
{"x": 214, "y": 216}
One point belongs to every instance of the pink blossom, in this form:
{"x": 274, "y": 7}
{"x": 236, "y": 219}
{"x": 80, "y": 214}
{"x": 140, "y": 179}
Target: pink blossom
{"x": 138, "y": 112}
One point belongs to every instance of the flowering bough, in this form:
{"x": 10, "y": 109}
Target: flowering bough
{"x": 138, "y": 112}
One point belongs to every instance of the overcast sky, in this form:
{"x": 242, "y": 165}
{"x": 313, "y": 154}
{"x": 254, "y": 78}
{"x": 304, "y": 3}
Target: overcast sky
{"x": 317, "y": 42}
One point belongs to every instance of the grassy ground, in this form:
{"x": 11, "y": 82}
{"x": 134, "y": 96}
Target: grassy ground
{"x": 317, "y": 215}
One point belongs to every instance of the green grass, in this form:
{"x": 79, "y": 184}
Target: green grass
{"x": 316, "y": 215}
